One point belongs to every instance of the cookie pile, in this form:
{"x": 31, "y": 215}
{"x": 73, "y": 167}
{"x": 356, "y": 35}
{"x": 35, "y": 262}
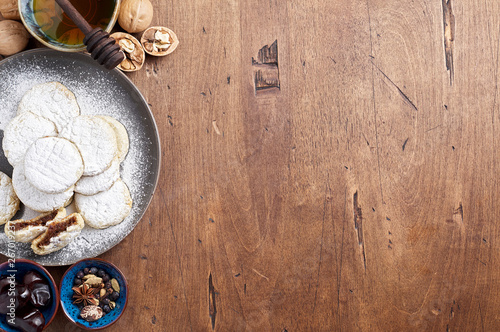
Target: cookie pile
{"x": 9, "y": 203}
{"x": 59, "y": 156}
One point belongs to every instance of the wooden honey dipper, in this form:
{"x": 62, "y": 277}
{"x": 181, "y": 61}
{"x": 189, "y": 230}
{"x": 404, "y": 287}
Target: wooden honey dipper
{"x": 99, "y": 44}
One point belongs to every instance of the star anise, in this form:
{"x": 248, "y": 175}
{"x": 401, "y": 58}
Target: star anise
{"x": 84, "y": 294}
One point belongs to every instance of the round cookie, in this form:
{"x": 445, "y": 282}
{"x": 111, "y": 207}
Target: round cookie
{"x": 91, "y": 185}
{"x": 96, "y": 141}
{"x": 34, "y": 198}
{"x": 50, "y": 100}
{"x": 53, "y": 164}
{"x": 121, "y": 135}
{"x": 21, "y": 132}
{"x": 9, "y": 203}
{"x": 106, "y": 208}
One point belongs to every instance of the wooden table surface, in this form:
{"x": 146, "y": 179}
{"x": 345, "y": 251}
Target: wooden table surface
{"x": 326, "y": 166}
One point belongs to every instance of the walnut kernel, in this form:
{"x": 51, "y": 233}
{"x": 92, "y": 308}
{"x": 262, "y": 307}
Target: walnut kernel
{"x": 159, "y": 41}
{"x": 134, "y": 54}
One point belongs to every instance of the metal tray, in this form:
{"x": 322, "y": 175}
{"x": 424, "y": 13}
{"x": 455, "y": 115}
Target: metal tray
{"x": 98, "y": 91}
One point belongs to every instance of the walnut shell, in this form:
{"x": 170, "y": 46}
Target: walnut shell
{"x": 9, "y": 10}
{"x": 134, "y": 54}
{"x": 135, "y": 15}
{"x": 13, "y": 37}
{"x": 159, "y": 41}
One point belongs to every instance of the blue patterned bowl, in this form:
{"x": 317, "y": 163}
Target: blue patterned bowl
{"x": 20, "y": 267}
{"x": 73, "y": 312}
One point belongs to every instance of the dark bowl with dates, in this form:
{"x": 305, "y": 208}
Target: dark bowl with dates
{"x": 94, "y": 294}
{"x": 29, "y": 297}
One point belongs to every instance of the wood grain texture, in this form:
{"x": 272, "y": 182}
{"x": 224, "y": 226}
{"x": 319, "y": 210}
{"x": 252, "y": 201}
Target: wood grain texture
{"x": 350, "y": 187}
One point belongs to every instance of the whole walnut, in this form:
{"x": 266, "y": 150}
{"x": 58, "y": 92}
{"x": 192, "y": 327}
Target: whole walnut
{"x": 135, "y": 15}
{"x": 13, "y": 37}
{"x": 9, "y": 10}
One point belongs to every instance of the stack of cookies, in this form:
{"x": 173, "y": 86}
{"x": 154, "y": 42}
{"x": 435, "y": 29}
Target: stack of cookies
{"x": 59, "y": 156}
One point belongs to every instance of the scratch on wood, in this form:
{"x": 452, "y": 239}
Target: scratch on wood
{"x": 260, "y": 274}
{"x": 339, "y": 270}
{"x": 404, "y": 144}
{"x": 459, "y": 212}
{"x": 216, "y": 128}
{"x": 433, "y": 128}
{"x": 367, "y": 142}
{"x": 236, "y": 311}
{"x": 449, "y": 36}
{"x": 401, "y": 93}
{"x": 212, "y": 309}
{"x": 326, "y": 200}
{"x": 435, "y": 311}
{"x": 375, "y": 105}
{"x": 266, "y": 68}
{"x": 358, "y": 226}
{"x": 165, "y": 205}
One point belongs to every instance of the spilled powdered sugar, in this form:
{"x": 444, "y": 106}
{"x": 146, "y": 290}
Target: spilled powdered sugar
{"x": 98, "y": 92}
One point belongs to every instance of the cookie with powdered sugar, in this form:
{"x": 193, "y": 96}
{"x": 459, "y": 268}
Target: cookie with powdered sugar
{"x": 121, "y": 135}
{"x": 96, "y": 141}
{"x": 35, "y": 199}
{"x": 26, "y": 230}
{"x": 9, "y": 203}
{"x": 59, "y": 233}
{"x": 53, "y": 164}
{"x": 91, "y": 185}
{"x": 50, "y": 100}
{"x": 107, "y": 208}
{"x": 21, "y": 132}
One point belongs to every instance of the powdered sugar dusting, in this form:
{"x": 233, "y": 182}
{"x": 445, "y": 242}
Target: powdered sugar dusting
{"x": 98, "y": 92}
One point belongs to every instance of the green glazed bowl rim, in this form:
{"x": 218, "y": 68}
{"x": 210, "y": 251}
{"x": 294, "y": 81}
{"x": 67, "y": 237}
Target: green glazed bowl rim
{"x": 59, "y": 46}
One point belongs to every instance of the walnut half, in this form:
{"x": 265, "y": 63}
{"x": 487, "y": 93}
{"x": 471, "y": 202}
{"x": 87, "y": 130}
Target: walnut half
{"x": 134, "y": 53}
{"x": 159, "y": 41}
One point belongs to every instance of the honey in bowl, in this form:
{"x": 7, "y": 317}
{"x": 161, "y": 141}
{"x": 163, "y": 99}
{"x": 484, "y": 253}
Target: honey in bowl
{"x": 57, "y": 26}
{"x": 47, "y": 22}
